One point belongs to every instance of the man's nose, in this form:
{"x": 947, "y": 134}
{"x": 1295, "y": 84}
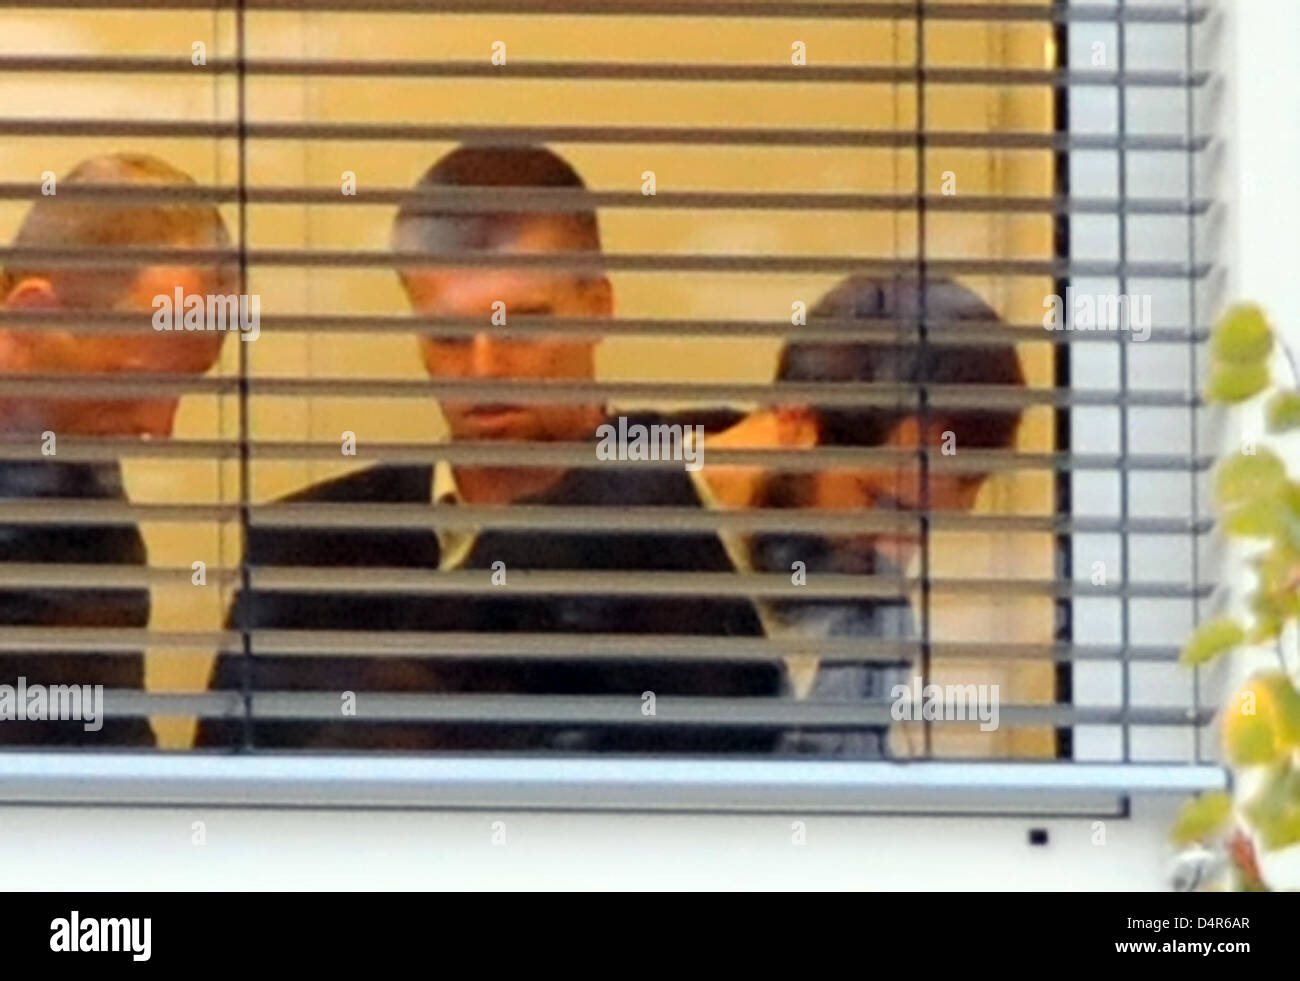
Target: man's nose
{"x": 488, "y": 357}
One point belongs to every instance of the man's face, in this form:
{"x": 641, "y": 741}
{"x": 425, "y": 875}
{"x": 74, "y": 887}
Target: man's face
{"x": 494, "y": 355}
{"x": 140, "y": 352}
{"x": 896, "y": 488}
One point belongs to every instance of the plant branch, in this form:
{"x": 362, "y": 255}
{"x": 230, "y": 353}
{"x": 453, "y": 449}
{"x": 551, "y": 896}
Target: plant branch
{"x": 1242, "y": 852}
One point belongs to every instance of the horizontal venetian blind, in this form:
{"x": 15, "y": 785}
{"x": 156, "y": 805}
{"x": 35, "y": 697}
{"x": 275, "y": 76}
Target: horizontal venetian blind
{"x": 1022, "y": 150}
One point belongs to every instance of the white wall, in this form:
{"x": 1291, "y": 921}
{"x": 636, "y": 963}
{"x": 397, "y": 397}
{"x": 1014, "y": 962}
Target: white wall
{"x": 146, "y": 848}
{"x": 1260, "y": 173}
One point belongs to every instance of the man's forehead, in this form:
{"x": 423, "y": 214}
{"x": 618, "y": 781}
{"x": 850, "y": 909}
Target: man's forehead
{"x": 475, "y": 288}
{"x": 164, "y": 279}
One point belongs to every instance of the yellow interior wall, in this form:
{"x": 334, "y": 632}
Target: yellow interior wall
{"x": 179, "y": 606}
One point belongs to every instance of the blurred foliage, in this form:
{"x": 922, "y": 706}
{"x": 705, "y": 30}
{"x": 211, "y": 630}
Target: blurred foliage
{"x": 1258, "y": 502}
{"x": 1203, "y": 817}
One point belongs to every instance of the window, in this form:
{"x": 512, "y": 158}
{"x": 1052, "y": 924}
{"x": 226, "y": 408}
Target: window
{"x": 767, "y": 180}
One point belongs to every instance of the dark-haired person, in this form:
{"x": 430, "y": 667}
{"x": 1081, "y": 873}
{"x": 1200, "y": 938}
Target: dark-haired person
{"x": 880, "y": 487}
{"x": 31, "y": 285}
{"x": 476, "y": 292}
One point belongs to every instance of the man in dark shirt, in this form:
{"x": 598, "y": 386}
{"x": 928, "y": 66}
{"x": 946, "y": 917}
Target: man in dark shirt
{"x": 70, "y": 606}
{"x": 39, "y": 422}
{"x": 886, "y": 555}
{"x": 496, "y": 295}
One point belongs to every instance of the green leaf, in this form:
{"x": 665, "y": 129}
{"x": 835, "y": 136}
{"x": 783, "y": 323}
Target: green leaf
{"x": 1202, "y": 817}
{"x": 1274, "y": 600}
{"x": 1249, "y": 740}
{"x": 1212, "y": 639}
{"x": 1246, "y": 477}
{"x": 1243, "y": 335}
{"x": 1233, "y": 382}
{"x": 1252, "y": 724}
{"x": 1286, "y": 707}
{"x": 1262, "y": 518}
{"x": 1284, "y": 412}
{"x": 1275, "y": 810}
{"x": 1277, "y": 605}
{"x": 1276, "y": 566}
{"x": 1288, "y": 533}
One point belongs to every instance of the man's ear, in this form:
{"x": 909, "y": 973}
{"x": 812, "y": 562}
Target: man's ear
{"x": 32, "y": 293}
{"x": 598, "y": 294}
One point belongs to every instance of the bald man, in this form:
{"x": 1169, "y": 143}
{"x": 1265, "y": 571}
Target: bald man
{"x": 34, "y": 286}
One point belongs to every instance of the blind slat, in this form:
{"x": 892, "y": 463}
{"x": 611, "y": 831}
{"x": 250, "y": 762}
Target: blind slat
{"x": 832, "y": 394}
{"x": 602, "y": 261}
{"x": 665, "y": 519}
{"x": 602, "y": 583}
{"x": 600, "y": 709}
{"x": 83, "y": 449}
{"x": 597, "y": 70}
{"x": 587, "y": 646}
{"x": 938, "y": 332}
{"x": 548, "y": 200}
{"x": 749, "y": 137}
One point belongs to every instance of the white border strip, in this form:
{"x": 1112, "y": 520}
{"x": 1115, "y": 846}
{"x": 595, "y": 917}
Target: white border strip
{"x": 583, "y": 784}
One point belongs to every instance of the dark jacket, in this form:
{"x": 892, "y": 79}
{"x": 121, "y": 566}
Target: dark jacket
{"x": 860, "y": 682}
{"x": 497, "y": 610}
{"x": 71, "y": 606}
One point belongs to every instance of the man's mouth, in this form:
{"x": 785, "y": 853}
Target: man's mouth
{"x": 493, "y": 410}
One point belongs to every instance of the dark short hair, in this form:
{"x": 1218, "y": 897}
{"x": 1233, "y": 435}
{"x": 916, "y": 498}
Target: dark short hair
{"x": 60, "y": 221}
{"x": 421, "y": 225}
{"x": 906, "y": 361}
